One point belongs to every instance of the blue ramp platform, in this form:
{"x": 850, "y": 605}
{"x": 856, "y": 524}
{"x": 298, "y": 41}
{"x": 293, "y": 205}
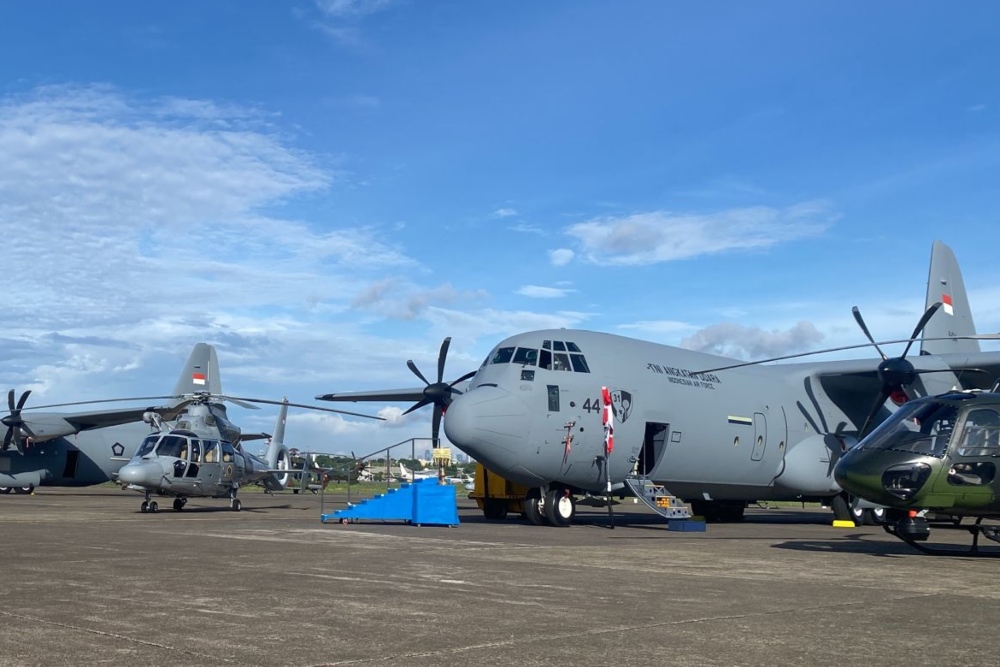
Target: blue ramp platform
{"x": 422, "y": 502}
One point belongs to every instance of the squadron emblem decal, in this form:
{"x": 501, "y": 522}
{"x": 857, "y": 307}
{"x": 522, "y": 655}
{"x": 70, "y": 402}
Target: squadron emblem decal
{"x": 621, "y": 402}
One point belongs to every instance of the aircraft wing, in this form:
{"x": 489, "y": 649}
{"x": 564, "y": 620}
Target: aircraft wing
{"x": 382, "y": 395}
{"x": 83, "y": 421}
{"x": 853, "y": 385}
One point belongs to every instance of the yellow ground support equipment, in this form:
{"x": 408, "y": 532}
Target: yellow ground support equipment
{"x": 497, "y": 496}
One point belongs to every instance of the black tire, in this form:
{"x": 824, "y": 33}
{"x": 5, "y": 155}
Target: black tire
{"x": 144, "y": 507}
{"x": 179, "y": 504}
{"x": 5, "y": 490}
{"x": 24, "y": 490}
{"x": 560, "y": 507}
{"x": 236, "y": 505}
{"x": 533, "y": 507}
{"x": 494, "y": 508}
{"x": 841, "y": 508}
{"x": 153, "y": 507}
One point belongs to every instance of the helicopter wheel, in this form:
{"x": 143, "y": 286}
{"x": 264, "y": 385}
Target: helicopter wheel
{"x": 153, "y": 507}
{"x": 144, "y": 507}
{"x": 179, "y": 503}
{"x": 235, "y": 505}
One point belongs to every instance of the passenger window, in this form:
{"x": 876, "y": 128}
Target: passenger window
{"x": 579, "y": 363}
{"x": 525, "y": 356}
{"x": 503, "y": 355}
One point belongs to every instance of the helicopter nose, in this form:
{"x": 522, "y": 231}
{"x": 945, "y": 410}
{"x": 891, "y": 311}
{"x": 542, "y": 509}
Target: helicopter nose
{"x": 491, "y": 425}
{"x": 140, "y": 474}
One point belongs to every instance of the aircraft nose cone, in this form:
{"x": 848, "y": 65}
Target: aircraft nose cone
{"x": 140, "y": 474}
{"x": 490, "y": 424}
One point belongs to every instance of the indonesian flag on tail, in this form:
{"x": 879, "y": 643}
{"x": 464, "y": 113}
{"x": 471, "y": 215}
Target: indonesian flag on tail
{"x": 198, "y": 377}
{"x": 947, "y": 303}
{"x": 608, "y": 418}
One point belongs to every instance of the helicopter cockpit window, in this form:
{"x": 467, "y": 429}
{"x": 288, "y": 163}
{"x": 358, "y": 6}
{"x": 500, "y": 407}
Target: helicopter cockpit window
{"x": 981, "y": 435}
{"x": 920, "y": 427}
{"x": 526, "y": 356}
{"x": 173, "y": 445}
{"x": 227, "y": 452}
{"x": 147, "y": 446}
{"x": 195, "y": 451}
{"x": 503, "y": 355}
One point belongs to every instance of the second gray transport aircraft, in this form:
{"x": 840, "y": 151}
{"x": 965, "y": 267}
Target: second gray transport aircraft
{"x": 718, "y": 432}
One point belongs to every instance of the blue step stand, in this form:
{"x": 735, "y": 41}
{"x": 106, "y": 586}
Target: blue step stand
{"x": 422, "y": 502}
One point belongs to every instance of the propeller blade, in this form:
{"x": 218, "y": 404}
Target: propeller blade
{"x": 416, "y": 371}
{"x": 419, "y": 404}
{"x": 928, "y": 314}
{"x": 23, "y": 399}
{"x": 8, "y": 436}
{"x": 467, "y": 376}
{"x": 883, "y": 395}
{"x": 442, "y": 355}
{"x": 436, "y": 426}
{"x": 861, "y": 323}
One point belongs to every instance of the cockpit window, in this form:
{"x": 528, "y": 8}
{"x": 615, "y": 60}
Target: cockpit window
{"x": 147, "y": 446}
{"x": 526, "y": 356}
{"x": 920, "y": 427}
{"x": 572, "y": 347}
{"x": 503, "y": 355}
{"x": 546, "y": 345}
{"x": 172, "y": 445}
{"x": 579, "y": 363}
{"x": 211, "y": 451}
{"x": 560, "y": 362}
{"x": 558, "y": 345}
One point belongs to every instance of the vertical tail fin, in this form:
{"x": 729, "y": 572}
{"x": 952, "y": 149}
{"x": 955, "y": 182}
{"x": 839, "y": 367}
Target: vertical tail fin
{"x": 277, "y": 444}
{"x": 201, "y": 372}
{"x": 954, "y": 318}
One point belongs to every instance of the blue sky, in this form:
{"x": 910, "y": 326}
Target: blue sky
{"x": 326, "y": 188}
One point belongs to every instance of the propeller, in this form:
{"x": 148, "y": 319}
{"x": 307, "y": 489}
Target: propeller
{"x": 14, "y": 423}
{"x": 895, "y": 373}
{"x": 439, "y": 394}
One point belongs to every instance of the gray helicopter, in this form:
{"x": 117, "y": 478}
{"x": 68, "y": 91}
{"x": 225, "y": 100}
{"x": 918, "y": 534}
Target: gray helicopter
{"x": 201, "y": 453}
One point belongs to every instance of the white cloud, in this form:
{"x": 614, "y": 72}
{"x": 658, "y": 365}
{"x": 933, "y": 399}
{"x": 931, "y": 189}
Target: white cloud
{"x": 504, "y": 213}
{"x": 561, "y": 256}
{"x": 661, "y": 236}
{"x": 742, "y": 342}
{"x": 537, "y": 292}
{"x": 351, "y": 8}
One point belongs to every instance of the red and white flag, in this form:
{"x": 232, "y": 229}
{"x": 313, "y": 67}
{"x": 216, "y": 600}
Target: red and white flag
{"x": 608, "y": 417}
{"x": 946, "y": 301}
{"x": 198, "y": 377}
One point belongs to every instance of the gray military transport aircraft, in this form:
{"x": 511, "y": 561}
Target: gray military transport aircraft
{"x": 83, "y": 448}
{"x": 717, "y": 432}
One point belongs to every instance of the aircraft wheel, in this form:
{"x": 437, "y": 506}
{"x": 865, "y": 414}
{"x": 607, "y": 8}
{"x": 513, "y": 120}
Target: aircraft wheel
{"x": 144, "y": 507}
{"x": 494, "y": 508}
{"x": 153, "y": 507}
{"x": 560, "y": 507}
{"x": 24, "y": 489}
{"x": 842, "y": 510}
{"x": 5, "y": 490}
{"x": 533, "y": 507}
{"x": 236, "y": 505}
{"x": 179, "y": 504}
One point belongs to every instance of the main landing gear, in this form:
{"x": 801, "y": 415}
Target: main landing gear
{"x": 234, "y": 502}
{"x": 556, "y": 507}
